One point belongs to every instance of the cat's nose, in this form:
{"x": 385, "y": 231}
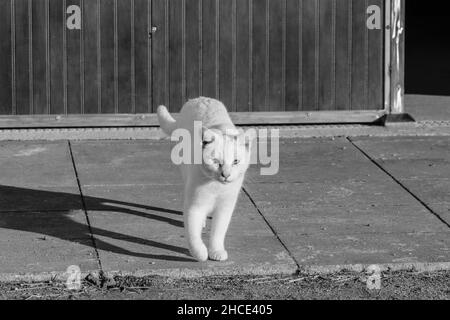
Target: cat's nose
{"x": 225, "y": 175}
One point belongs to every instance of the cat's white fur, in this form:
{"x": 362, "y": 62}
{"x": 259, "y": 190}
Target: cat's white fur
{"x": 211, "y": 188}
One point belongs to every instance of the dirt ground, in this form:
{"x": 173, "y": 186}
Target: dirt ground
{"x": 342, "y": 286}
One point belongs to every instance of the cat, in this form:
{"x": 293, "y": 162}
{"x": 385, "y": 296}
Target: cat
{"x": 212, "y": 187}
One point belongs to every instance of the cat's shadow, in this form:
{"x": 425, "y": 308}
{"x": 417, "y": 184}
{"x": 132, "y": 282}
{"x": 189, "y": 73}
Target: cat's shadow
{"x": 21, "y": 209}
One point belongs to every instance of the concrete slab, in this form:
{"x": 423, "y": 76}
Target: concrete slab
{"x": 430, "y": 190}
{"x": 41, "y": 242}
{"x": 315, "y": 225}
{"x": 442, "y": 209}
{"x": 335, "y": 160}
{"x": 369, "y": 248}
{"x": 347, "y": 219}
{"x": 36, "y": 164}
{"x": 406, "y": 148}
{"x": 330, "y": 220}
{"x": 417, "y": 169}
{"x": 104, "y": 163}
{"x": 146, "y": 234}
{"x": 344, "y": 194}
{"x": 329, "y": 205}
{"x": 30, "y": 258}
{"x": 139, "y": 260}
{"x": 421, "y": 165}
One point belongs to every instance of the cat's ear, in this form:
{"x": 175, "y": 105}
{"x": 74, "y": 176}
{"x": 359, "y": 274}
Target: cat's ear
{"x": 233, "y": 132}
{"x": 208, "y": 136}
{"x": 248, "y": 143}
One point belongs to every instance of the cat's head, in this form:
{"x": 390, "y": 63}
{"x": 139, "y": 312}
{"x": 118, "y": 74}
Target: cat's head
{"x": 226, "y": 156}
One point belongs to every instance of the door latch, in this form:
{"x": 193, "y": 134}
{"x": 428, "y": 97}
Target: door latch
{"x": 152, "y": 31}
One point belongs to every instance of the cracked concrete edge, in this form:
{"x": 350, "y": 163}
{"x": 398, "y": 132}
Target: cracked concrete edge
{"x": 42, "y": 277}
{"x": 175, "y": 273}
{"x": 248, "y": 270}
{"x": 425, "y": 128}
{"x": 420, "y": 267}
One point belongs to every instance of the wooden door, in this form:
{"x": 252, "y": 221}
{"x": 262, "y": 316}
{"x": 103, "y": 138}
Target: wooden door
{"x": 102, "y": 68}
{"x": 268, "y": 55}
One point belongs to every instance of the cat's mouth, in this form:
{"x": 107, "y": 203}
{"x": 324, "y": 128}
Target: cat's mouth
{"x": 223, "y": 180}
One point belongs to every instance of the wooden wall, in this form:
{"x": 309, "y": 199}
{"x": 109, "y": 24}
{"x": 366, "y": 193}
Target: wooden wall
{"x": 254, "y": 55}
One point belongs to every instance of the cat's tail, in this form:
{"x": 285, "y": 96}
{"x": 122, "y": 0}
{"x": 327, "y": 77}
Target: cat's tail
{"x": 167, "y": 123}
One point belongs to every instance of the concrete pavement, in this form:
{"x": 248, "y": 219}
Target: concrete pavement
{"x": 115, "y": 206}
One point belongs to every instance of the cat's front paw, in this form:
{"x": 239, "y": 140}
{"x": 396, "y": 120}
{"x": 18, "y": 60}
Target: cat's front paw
{"x": 199, "y": 252}
{"x": 218, "y": 255}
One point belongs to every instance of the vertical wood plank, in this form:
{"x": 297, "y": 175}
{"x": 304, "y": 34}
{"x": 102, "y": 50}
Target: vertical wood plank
{"x": 276, "y": 20}
{"x": 124, "y": 56}
{"x": 242, "y": 55}
{"x": 116, "y": 58}
{"x": 91, "y": 84}
{"x": 30, "y": 55}
{"x": 175, "y": 55}
{"x": 22, "y": 57}
{"x": 292, "y": 55}
{"x": 159, "y": 53}
{"x": 259, "y": 49}
{"x": 73, "y": 67}
{"x": 217, "y": 48}
{"x": 342, "y": 56}
{"x": 250, "y": 54}
{"x": 107, "y": 56}
{"x": 142, "y": 55}
{"x": 56, "y": 17}
{"x": 13, "y": 58}
{"x": 309, "y": 20}
{"x": 200, "y": 49}
{"x": 209, "y": 48}
{"x": 359, "y": 54}
{"x": 226, "y": 52}
{"x": 267, "y": 56}
{"x": 183, "y": 52}
{"x": 47, "y": 56}
{"x": 375, "y": 68}
{"x": 326, "y": 56}
{"x": 234, "y": 54}
{"x": 193, "y": 47}
{"x": 5, "y": 58}
{"x": 39, "y": 57}
{"x": 133, "y": 55}
{"x": 82, "y": 57}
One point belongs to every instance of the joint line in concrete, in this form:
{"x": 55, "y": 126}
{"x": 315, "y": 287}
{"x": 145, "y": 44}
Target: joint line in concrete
{"x": 399, "y": 183}
{"x": 83, "y": 203}
{"x": 270, "y": 227}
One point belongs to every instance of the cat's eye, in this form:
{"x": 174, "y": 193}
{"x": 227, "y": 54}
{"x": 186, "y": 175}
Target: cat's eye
{"x": 236, "y": 162}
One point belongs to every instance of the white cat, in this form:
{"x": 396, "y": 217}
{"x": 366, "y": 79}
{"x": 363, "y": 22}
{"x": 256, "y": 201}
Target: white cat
{"x": 211, "y": 188}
